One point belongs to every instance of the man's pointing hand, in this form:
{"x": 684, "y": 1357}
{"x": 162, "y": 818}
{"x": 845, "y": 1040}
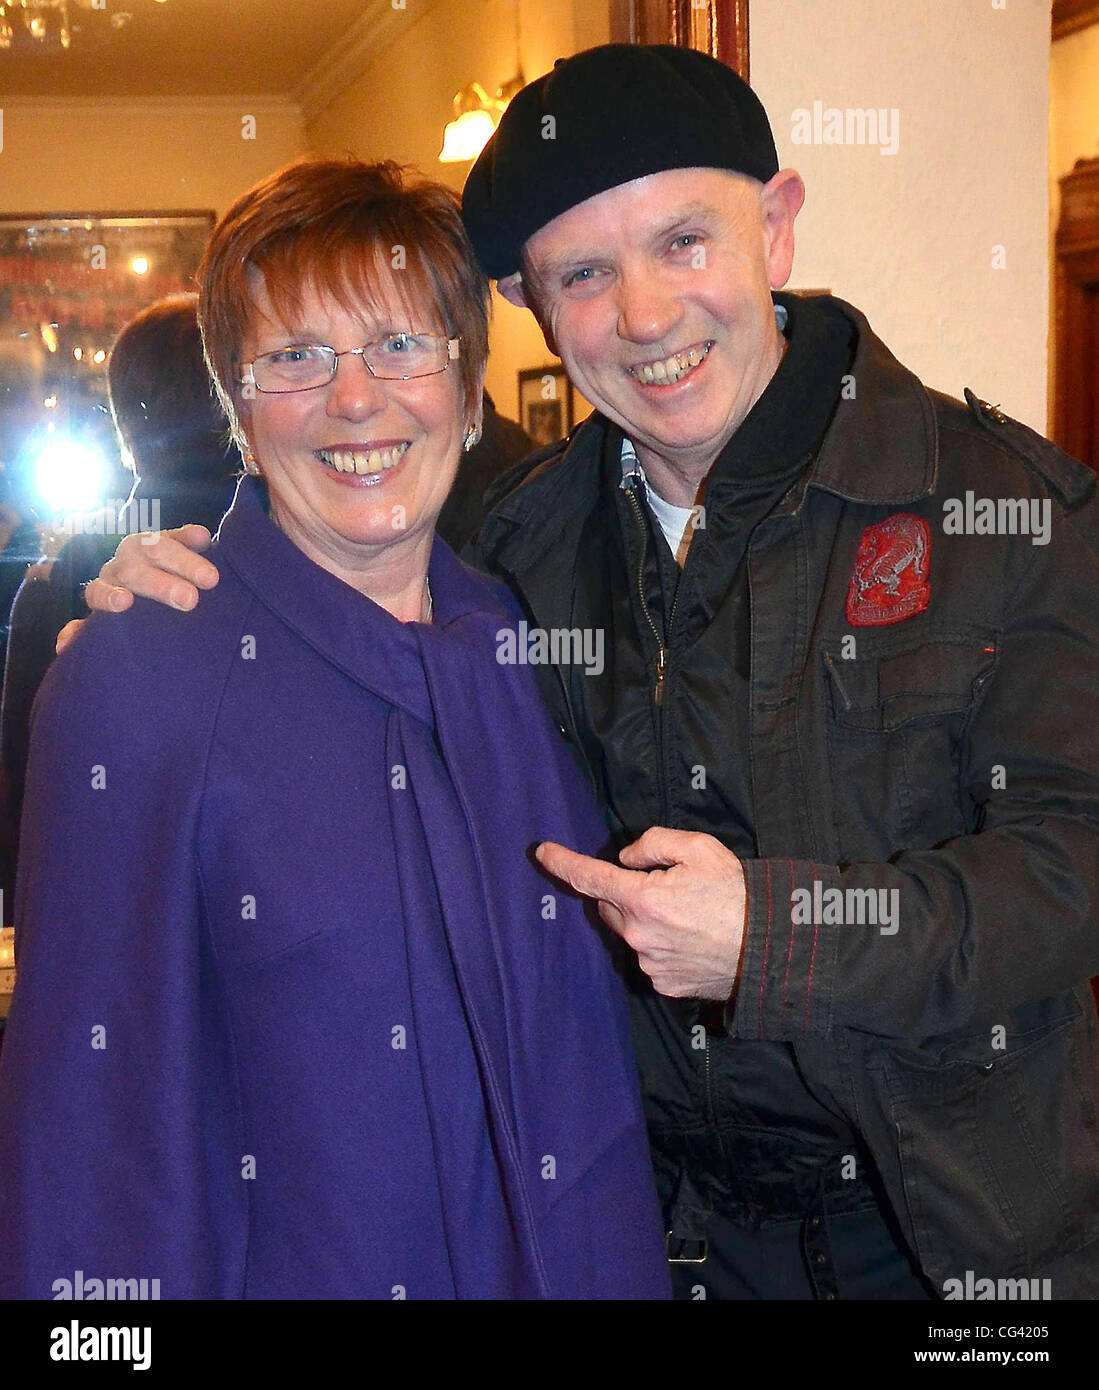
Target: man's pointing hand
{"x": 679, "y": 902}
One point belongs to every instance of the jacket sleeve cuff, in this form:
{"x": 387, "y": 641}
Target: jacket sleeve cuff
{"x": 787, "y": 966}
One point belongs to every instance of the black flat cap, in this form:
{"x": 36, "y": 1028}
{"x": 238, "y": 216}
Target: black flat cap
{"x": 600, "y": 119}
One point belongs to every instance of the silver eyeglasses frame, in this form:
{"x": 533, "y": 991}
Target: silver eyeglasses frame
{"x": 249, "y": 374}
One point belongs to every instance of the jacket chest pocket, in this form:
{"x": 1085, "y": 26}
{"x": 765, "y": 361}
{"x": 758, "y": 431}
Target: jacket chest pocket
{"x": 896, "y": 720}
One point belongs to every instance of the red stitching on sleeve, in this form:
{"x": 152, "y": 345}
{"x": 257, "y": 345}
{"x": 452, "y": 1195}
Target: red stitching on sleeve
{"x": 790, "y": 951}
{"x": 766, "y": 944}
{"x": 812, "y": 963}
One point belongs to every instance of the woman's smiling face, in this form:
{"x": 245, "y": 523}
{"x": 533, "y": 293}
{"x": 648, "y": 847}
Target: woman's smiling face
{"x": 407, "y": 433}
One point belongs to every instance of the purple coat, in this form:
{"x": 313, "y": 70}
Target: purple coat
{"x": 297, "y": 1016}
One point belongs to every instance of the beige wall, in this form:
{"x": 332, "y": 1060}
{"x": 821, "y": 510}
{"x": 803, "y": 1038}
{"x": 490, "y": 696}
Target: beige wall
{"x": 99, "y": 156}
{"x": 454, "y": 43}
{"x": 909, "y": 237}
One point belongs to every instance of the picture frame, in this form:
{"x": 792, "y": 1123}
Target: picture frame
{"x": 546, "y": 403}
{"x": 69, "y": 282}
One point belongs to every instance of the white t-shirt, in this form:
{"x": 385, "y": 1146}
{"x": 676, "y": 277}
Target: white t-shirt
{"x": 673, "y": 521}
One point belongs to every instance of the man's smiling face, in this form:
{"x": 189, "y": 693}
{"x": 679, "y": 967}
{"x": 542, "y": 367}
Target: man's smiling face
{"x": 656, "y": 295}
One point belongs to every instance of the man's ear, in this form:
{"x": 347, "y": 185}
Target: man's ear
{"x": 514, "y": 291}
{"x": 779, "y": 204}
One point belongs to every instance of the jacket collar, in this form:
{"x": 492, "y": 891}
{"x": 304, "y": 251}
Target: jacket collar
{"x": 881, "y": 449}
{"x": 549, "y": 501}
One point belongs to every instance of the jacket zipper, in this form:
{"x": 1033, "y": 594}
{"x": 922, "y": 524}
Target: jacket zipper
{"x": 708, "y": 1088}
{"x": 628, "y": 488}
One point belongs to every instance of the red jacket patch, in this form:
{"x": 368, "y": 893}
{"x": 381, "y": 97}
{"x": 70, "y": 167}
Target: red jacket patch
{"x": 890, "y": 579}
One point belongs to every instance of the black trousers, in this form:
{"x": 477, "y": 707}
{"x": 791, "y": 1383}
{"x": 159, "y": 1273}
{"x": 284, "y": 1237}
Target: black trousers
{"x": 824, "y": 1254}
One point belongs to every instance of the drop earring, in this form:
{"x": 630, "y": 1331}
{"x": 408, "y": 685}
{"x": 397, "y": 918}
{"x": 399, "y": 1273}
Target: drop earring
{"x": 473, "y": 434}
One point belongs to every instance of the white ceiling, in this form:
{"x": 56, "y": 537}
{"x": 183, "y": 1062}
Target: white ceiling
{"x": 194, "y": 47}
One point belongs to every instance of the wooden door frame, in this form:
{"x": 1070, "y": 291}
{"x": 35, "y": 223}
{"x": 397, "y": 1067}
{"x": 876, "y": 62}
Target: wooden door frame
{"x": 1070, "y": 15}
{"x": 1076, "y": 292}
{"x": 717, "y": 27}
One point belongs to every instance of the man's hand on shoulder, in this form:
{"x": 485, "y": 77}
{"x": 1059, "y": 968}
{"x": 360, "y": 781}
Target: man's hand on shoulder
{"x": 162, "y": 565}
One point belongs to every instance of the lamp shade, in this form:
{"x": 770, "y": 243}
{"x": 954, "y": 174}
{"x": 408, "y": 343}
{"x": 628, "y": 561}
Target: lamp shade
{"x": 466, "y": 137}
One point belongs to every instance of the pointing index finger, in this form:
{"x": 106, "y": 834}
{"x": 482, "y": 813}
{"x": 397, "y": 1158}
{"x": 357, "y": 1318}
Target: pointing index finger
{"x": 592, "y": 877}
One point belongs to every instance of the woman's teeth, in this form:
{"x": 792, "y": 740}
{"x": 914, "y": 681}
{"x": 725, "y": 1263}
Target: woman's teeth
{"x": 362, "y": 460}
{"x": 670, "y": 369}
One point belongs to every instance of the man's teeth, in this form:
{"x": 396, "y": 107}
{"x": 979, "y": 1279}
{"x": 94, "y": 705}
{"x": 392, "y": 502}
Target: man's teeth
{"x": 670, "y": 369}
{"x": 362, "y": 460}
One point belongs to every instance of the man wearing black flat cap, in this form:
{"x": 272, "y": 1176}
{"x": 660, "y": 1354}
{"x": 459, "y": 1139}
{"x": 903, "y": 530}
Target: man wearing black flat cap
{"x": 846, "y": 743}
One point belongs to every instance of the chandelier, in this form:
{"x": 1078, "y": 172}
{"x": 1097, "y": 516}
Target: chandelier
{"x": 49, "y": 23}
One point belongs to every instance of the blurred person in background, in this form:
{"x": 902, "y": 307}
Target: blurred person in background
{"x": 21, "y": 388}
{"x": 21, "y": 392}
{"x": 20, "y": 547}
{"x": 174, "y": 439}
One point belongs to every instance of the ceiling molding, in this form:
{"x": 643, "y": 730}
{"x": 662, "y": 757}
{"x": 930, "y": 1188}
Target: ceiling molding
{"x": 351, "y": 55}
{"x": 212, "y": 105}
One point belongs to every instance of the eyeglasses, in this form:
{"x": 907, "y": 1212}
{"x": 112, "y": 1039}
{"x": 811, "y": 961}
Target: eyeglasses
{"x": 303, "y": 367}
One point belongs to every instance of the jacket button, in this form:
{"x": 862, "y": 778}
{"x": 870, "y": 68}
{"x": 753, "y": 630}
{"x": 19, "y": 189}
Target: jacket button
{"x": 818, "y": 1258}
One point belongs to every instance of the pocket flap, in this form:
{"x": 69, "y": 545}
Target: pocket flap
{"x": 932, "y": 679}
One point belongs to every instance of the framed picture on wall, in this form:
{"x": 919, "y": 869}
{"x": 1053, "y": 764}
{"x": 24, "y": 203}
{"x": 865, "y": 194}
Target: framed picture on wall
{"x": 546, "y": 407}
{"x": 68, "y": 284}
